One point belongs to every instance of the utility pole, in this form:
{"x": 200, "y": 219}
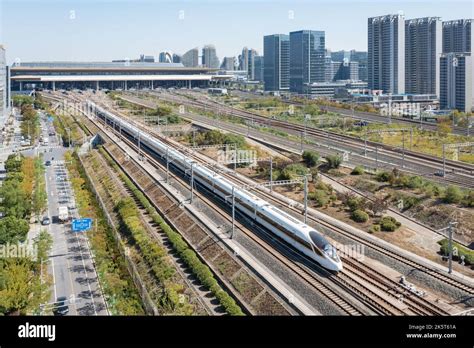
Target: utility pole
{"x": 376, "y": 157}
{"x": 305, "y": 198}
{"x": 233, "y": 213}
{"x": 450, "y": 229}
{"x": 271, "y": 173}
{"x": 192, "y": 182}
{"x": 444, "y": 160}
{"x": 235, "y": 157}
{"x": 167, "y": 165}
{"x": 403, "y": 149}
{"x": 365, "y": 143}
{"x": 139, "y": 155}
{"x": 301, "y": 142}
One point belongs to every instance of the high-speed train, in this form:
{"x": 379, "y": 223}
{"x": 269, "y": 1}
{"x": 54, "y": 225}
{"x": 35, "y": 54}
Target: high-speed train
{"x": 299, "y": 235}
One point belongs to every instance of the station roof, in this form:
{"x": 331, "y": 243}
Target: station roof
{"x": 85, "y": 78}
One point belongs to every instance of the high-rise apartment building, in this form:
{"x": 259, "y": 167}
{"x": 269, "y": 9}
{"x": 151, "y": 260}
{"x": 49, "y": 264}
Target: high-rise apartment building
{"x": 307, "y": 58}
{"x": 191, "y": 58}
{"x": 276, "y": 65}
{"x": 423, "y": 44}
{"x": 386, "y": 53}
{"x": 209, "y": 57}
{"x": 228, "y": 63}
{"x": 456, "y": 90}
{"x": 457, "y": 36}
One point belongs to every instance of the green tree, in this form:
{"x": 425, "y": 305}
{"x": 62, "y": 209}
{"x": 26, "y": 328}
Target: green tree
{"x": 13, "y": 230}
{"x": 14, "y": 200}
{"x": 21, "y": 289}
{"x": 334, "y": 161}
{"x": 43, "y": 242}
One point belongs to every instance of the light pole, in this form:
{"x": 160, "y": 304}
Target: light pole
{"x": 192, "y": 183}
{"x": 233, "y": 213}
{"x": 271, "y": 173}
{"x": 305, "y": 198}
{"x": 68, "y": 137}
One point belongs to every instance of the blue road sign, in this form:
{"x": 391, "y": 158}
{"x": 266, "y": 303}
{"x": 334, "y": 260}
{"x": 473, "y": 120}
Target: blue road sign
{"x": 79, "y": 225}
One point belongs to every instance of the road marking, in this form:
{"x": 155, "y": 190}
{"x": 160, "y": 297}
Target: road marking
{"x": 54, "y": 280}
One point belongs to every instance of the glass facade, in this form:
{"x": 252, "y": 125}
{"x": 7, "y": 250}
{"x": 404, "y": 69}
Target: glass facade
{"x": 307, "y": 58}
{"x": 3, "y": 83}
{"x": 386, "y": 53}
{"x": 276, "y": 66}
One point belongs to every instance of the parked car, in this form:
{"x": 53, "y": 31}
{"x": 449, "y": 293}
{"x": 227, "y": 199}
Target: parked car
{"x": 47, "y": 163}
{"x": 61, "y": 308}
{"x": 46, "y": 221}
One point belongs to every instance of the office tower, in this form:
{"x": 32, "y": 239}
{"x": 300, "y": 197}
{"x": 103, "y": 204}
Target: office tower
{"x": 307, "y": 58}
{"x": 258, "y": 68}
{"x": 328, "y": 68}
{"x": 177, "y": 58}
{"x": 246, "y": 62}
{"x": 422, "y": 50}
{"x": 209, "y": 57}
{"x": 4, "y": 106}
{"x": 457, "y": 36}
{"x": 361, "y": 58}
{"x": 340, "y": 56}
{"x": 191, "y": 58}
{"x": 386, "y": 53}
{"x": 456, "y": 90}
{"x": 228, "y": 63}
{"x": 165, "y": 57}
{"x": 276, "y": 65}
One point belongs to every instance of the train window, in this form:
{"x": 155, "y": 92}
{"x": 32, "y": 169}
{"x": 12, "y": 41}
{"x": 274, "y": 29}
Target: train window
{"x": 317, "y": 239}
{"x": 287, "y": 216}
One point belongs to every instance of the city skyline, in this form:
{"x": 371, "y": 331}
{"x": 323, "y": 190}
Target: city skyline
{"x": 196, "y": 25}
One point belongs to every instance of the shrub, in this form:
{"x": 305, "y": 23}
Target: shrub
{"x": 384, "y": 176}
{"x": 358, "y": 171}
{"x": 468, "y": 254}
{"x": 468, "y": 199}
{"x": 388, "y": 223}
{"x": 359, "y": 216}
{"x": 374, "y": 228}
{"x": 453, "y": 194}
{"x": 320, "y": 197}
{"x": 334, "y": 161}
{"x": 415, "y": 182}
{"x": 311, "y": 158}
{"x": 292, "y": 171}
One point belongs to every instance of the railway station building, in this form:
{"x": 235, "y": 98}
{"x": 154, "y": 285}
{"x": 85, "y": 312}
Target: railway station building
{"x": 111, "y": 75}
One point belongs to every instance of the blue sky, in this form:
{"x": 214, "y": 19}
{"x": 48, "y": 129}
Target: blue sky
{"x": 116, "y": 29}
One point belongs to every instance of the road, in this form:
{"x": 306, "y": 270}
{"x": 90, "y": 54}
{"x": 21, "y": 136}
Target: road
{"x": 71, "y": 267}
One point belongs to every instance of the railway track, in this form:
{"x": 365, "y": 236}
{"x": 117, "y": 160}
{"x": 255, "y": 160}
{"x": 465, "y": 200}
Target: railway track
{"x": 456, "y": 172}
{"x": 419, "y": 307}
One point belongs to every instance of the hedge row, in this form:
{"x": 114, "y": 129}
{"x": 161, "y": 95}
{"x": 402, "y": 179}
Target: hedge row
{"x": 199, "y": 269}
{"x": 153, "y": 254}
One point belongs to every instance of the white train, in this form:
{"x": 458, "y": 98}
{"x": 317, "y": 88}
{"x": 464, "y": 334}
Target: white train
{"x": 302, "y": 237}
